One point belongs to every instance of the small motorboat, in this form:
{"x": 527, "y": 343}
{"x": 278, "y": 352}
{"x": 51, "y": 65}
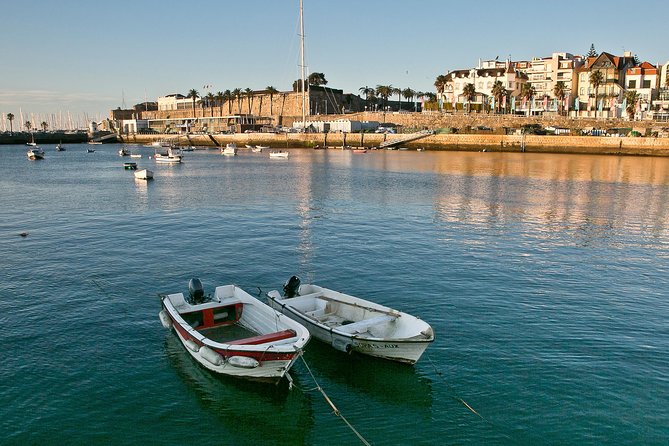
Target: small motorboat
{"x": 144, "y": 174}
{"x": 35, "y": 154}
{"x": 278, "y": 154}
{"x": 233, "y": 333}
{"x": 261, "y": 148}
{"x": 135, "y": 155}
{"x": 60, "y": 148}
{"x": 249, "y": 146}
{"x": 359, "y": 150}
{"x": 256, "y": 149}
{"x": 90, "y": 150}
{"x": 352, "y": 324}
{"x": 172, "y": 156}
{"x": 123, "y": 152}
{"x": 130, "y": 166}
{"x": 229, "y": 149}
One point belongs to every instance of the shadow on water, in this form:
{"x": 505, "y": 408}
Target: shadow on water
{"x": 257, "y": 412}
{"x": 386, "y": 381}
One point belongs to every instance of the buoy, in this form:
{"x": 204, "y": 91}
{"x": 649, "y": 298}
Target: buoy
{"x": 165, "y": 319}
{"x": 211, "y": 356}
{"x": 243, "y": 362}
{"x": 192, "y": 345}
{"x": 24, "y": 234}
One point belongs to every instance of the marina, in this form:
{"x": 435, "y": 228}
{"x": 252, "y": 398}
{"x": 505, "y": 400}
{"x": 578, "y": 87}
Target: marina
{"x": 542, "y": 275}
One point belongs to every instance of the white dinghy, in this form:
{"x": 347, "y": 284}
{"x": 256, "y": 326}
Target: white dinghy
{"x": 233, "y": 333}
{"x": 352, "y": 324}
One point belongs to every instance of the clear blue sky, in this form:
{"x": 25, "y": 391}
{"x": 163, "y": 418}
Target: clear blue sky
{"x": 91, "y": 57}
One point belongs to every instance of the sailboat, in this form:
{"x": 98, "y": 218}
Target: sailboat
{"x": 32, "y": 141}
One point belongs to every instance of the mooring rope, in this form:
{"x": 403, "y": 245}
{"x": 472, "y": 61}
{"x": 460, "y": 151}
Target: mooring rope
{"x": 453, "y": 394}
{"x": 334, "y": 408}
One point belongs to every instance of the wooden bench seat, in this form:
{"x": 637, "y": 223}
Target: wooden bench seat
{"x": 263, "y": 339}
{"x": 363, "y": 325}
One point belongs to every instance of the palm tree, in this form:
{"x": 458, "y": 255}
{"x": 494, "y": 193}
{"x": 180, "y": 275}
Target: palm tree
{"x": 384, "y": 92}
{"x": 28, "y": 125}
{"x": 219, "y": 98}
{"x": 271, "y": 91}
{"x": 527, "y": 92}
{"x": 409, "y": 94}
{"x": 210, "y": 102}
{"x": 249, "y": 97}
{"x": 229, "y": 97}
{"x": 498, "y": 92}
{"x": 237, "y": 93}
{"x": 596, "y": 79}
{"x": 317, "y": 79}
{"x": 440, "y": 84}
{"x": 398, "y": 92}
{"x": 193, "y": 94}
{"x": 368, "y": 92}
{"x": 469, "y": 92}
{"x": 631, "y": 98}
{"x": 560, "y": 91}
{"x": 10, "y": 118}
{"x": 44, "y": 125}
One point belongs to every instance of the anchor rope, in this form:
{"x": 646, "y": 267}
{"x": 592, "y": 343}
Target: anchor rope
{"x": 453, "y": 394}
{"x": 334, "y": 408}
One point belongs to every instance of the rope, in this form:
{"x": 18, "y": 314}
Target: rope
{"x": 453, "y": 395}
{"x": 334, "y": 408}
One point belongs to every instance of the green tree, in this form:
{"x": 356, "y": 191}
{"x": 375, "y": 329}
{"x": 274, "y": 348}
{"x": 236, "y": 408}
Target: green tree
{"x": 193, "y": 94}
{"x": 596, "y": 79}
{"x": 28, "y": 125}
{"x": 631, "y": 98}
{"x": 409, "y": 94}
{"x": 10, "y": 118}
{"x": 271, "y": 91}
{"x": 219, "y": 98}
{"x": 560, "y": 91}
{"x": 229, "y": 97}
{"x": 367, "y": 91}
{"x": 44, "y": 125}
{"x": 237, "y": 93}
{"x": 469, "y": 92}
{"x": 317, "y": 79}
{"x": 249, "y": 97}
{"x": 210, "y": 102}
{"x": 592, "y": 52}
{"x": 527, "y": 92}
{"x": 440, "y": 84}
{"x": 498, "y": 92}
{"x": 384, "y": 92}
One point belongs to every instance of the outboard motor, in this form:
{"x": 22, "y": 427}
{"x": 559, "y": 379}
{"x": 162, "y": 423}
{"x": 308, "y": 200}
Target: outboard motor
{"x": 290, "y": 288}
{"x": 196, "y": 291}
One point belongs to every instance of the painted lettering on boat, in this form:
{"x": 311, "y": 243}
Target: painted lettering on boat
{"x": 376, "y": 346}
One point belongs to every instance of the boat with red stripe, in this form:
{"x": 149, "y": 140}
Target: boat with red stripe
{"x": 233, "y": 333}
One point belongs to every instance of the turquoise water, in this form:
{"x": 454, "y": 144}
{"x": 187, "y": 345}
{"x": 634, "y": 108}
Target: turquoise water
{"x": 544, "y": 277}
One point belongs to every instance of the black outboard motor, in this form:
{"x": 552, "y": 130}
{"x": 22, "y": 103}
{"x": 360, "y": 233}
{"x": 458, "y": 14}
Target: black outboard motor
{"x": 196, "y": 291}
{"x": 291, "y": 287}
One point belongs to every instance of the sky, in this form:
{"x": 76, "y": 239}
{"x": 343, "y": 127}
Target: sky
{"x": 87, "y": 57}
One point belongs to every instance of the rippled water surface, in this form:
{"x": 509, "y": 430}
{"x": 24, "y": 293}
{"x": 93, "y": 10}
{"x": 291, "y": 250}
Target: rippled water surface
{"x": 545, "y": 278}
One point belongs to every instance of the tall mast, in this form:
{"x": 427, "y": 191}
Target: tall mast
{"x": 304, "y": 113}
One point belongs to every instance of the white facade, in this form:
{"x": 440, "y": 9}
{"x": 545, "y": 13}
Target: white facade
{"x": 544, "y": 73}
{"x": 134, "y": 125}
{"x": 339, "y": 125}
{"x": 176, "y": 102}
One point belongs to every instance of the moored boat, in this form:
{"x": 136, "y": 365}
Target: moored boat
{"x": 172, "y": 156}
{"x": 261, "y": 148}
{"x": 352, "y": 324}
{"x": 123, "y": 152}
{"x": 278, "y": 154}
{"x": 130, "y": 166}
{"x": 35, "y": 154}
{"x": 60, "y": 148}
{"x": 144, "y": 174}
{"x": 233, "y": 333}
{"x": 229, "y": 149}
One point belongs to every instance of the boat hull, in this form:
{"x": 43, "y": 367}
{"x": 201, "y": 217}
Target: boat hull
{"x": 405, "y": 343}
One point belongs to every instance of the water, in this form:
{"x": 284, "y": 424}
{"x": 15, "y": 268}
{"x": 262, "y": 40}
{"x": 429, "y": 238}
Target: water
{"x": 544, "y": 277}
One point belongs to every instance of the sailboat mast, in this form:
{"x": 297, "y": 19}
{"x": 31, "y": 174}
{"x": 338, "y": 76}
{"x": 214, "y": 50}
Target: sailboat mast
{"x": 304, "y": 113}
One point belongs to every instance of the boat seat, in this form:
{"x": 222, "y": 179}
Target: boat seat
{"x": 264, "y": 339}
{"x": 363, "y": 325}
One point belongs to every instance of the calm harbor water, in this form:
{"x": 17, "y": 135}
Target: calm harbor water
{"x": 545, "y": 278}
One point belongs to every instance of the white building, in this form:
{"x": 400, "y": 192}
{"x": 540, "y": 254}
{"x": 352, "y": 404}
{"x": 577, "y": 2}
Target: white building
{"x": 176, "y": 101}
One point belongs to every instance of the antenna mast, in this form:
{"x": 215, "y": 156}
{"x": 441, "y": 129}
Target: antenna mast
{"x": 304, "y": 113}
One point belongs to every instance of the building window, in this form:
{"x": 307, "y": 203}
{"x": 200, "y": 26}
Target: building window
{"x": 646, "y": 84}
{"x": 582, "y": 92}
{"x": 631, "y": 84}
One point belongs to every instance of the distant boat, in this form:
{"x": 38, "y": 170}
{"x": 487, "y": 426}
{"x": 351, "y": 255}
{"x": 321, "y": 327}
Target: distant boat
{"x": 188, "y": 149}
{"x": 230, "y": 149}
{"x": 35, "y": 154}
{"x": 173, "y": 156}
{"x": 359, "y": 150}
{"x": 123, "y": 152}
{"x": 256, "y": 149}
{"x": 95, "y": 142}
{"x": 135, "y": 155}
{"x": 130, "y": 166}
{"x": 144, "y": 174}
{"x": 60, "y": 148}
{"x": 260, "y": 148}
{"x": 278, "y": 154}
{"x": 32, "y": 141}
{"x": 90, "y": 150}
{"x": 248, "y": 146}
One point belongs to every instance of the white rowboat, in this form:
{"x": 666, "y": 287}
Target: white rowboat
{"x": 352, "y": 324}
{"x": 144, "y": 174}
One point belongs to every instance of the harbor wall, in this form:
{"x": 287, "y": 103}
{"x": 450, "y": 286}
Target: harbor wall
{"x": 454, "y": 142}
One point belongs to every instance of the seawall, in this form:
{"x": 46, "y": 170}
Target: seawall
{"x": 469, "y": 142}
